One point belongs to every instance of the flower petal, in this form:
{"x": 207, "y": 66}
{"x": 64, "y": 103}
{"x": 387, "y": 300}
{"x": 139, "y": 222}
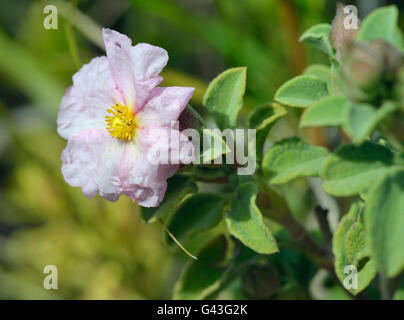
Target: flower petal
{"x": 142, "y": 180}
{"x": 91, "y": 161}
{"x": 167, "y": 147}
{"x": 100, "y": 164}
{"x": 84, "y": 104}
{"x": 148, "y": 61}
{"x": 165, "y": 105}
{"x": 143, "y": 174}
{"x": 118, "y": 48}
{"x": 143, "y": 90}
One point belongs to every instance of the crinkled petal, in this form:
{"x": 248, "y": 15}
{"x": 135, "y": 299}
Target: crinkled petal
{"x": 148, "y": 61}
{"x": 144, "y": 88}
{"x": 166, "y": 146}
{"x": 142, "y": 180}
{"x": 85, "y": 102}
{"x": 144, "y": 174}
{"x": 165, "y": 105}
{"x": 118, "y": 48}
{"x": 100, "y": 164}
{"x": 91, "y": 161}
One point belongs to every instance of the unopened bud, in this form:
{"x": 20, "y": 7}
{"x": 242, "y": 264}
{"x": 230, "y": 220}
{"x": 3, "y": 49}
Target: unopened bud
{"x": 260, "y": 281}
{"x": 344, "y": 29}
{"x": 188, "y": 120}
{"x": 369, "y": 69}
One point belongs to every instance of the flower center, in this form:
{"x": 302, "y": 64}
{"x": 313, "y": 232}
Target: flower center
{"x": 121, "y": 123}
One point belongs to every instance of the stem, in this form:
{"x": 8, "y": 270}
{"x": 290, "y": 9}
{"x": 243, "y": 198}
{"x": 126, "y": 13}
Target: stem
{"x": 322, "y": 219}
{"x": 309, "y": 246}
{"x": 384, "y": 286}
{"x": 318, "y": 254}
{"x": 389, "y": 285}
{"x": 175, "y": 240}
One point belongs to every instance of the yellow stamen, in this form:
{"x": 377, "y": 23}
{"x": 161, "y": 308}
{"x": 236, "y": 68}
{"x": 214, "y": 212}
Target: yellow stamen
{"x": 122, "y": 122}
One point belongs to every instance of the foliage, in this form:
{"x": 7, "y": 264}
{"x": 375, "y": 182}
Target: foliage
{"x": 328, "y": 139}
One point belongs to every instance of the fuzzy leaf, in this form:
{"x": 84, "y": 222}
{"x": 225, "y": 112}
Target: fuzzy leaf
{"x": 208, "y": 172}
{"x": 362, "y": 119}
{"x": 399, "y": 294}
{"x": 292, "y": 158}
{"x": 262, "y": 119}
{"x": 318, "y": 71}
{"x": 245, "y": 222}
{"x": 202, "y": 277}
{"x": 356, "y": 243}
{"x": 178, "y": 188}
{"x": 385, "y": 220}
{"x": 352, "y": 169}
{"x": 350, "y": 247}
{"x": 318, "y": 36}
{"x": 196, "y": 213}
{"x": 215, "y": 148}
{"x": 224, "y": 96}
{"x": 301, "y": 91}
{"x": 329, "y": 111}
{"x": 381, "y": 24}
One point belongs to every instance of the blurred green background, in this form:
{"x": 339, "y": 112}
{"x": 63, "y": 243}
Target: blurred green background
{"x": 103, "y": 250}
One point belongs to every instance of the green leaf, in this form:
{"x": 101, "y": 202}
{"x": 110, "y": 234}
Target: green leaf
{"x": 351, "y": 247}
{"x": 262, "y": 119}
{"x": 224, "y": 96}
{"x": 301, "y": 91}
{"x": 318, "y": 71}
{"x": 352, "y": 169}
{"x": 381, "y": 24}
{"x": 361, "y": 119}
{"x": 178, "y": 188}
{"x": 215, "y": 145}
{"x": 399, "y": 294}
{"x": 202, "y": 277}
{"x": 329, "y": 111}
{"x": 399, "y": 38}
{"x": 195, "y": 214}
{"x": 318, "y": 36}
{"x": 385, "y": 221}
{"x": 244, "y": 221}
{"x": 356, "y": 243}
{"x": 209, "y": 173}
{"x": 292, "y": 158}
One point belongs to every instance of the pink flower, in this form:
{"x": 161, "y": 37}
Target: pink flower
{"x": 113, "y": 115}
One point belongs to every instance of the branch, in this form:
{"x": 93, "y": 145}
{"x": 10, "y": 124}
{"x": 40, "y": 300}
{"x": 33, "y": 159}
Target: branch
{"x": 267, "y": 199}
{"x": 318, "y": 254}
{"x": 322, "y": 218}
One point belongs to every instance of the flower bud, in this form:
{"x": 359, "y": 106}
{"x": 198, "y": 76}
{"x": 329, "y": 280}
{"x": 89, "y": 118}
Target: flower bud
{"x": 260, "y": 281}
{"x": 370, "y": 69}
{"x": 343, "y": 34}
{"x": 187, "y": 119}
